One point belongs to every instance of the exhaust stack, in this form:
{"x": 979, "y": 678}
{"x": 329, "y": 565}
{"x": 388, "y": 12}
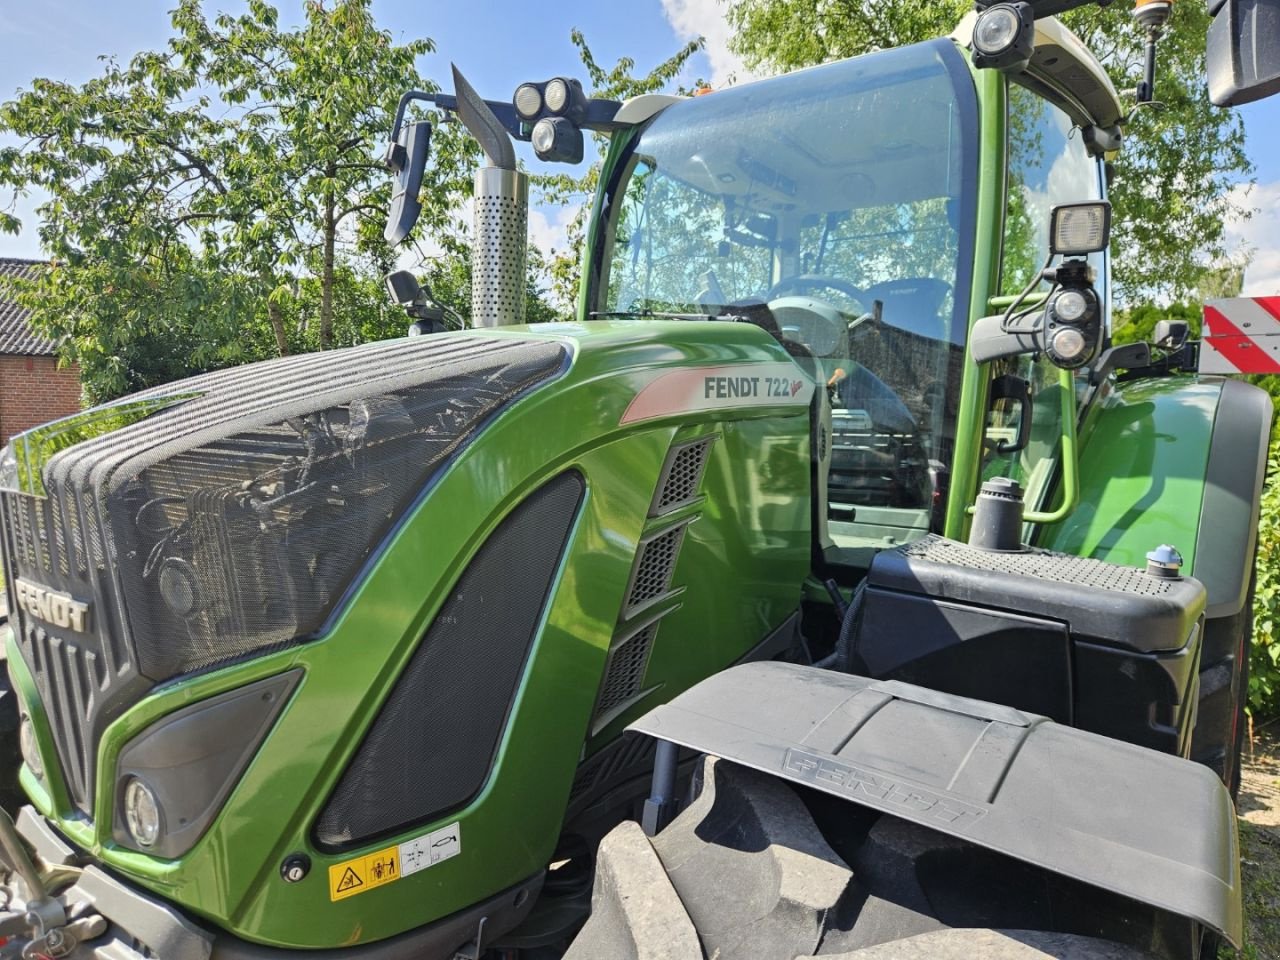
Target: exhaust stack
{"x": 500, "y": 230}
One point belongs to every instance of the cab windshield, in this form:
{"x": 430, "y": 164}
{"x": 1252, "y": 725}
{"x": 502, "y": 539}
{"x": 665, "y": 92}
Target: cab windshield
{"x": 835, "y": 208}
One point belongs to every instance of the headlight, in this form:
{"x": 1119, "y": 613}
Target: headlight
{"x": 1071, "y": 306}
{"x": 557, "y": 95}
{"x": 142, "y": 813}
{"x": 30, "y": 749}
{"x": 1068, "y": 346}
{"x": 528, "y": 101}
{"x": 557, "y": 140}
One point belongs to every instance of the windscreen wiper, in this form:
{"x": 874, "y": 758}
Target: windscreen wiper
{"x": 661, "y": 315}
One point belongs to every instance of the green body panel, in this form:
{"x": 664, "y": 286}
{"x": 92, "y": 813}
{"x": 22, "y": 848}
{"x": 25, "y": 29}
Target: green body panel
{"x": 1144, "y": 449}
{"x": 976, "y": 380}
{"x": 751, "y": 522}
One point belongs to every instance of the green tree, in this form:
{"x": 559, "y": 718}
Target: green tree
{"x": 1172, "y": 193}
{"x": 219, "y": 200}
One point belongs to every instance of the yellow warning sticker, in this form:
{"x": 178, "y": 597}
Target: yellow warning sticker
{"x": 364, "y": 873}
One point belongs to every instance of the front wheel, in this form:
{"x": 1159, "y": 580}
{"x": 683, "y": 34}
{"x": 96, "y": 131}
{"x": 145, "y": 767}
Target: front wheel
{"x": 754, "y": 869}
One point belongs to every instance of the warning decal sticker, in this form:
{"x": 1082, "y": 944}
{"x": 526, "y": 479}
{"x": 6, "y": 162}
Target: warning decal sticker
{"x": 375, "y": 870}
{"x": 364, "y": 873}
{"x": 427, "y": 851}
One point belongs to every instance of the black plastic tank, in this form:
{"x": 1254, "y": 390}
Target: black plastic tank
{"x": 1110, "y": 649}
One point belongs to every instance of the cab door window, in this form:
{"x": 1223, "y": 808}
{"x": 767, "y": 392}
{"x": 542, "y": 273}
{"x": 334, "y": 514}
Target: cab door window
{"x": 1048, "y": 165}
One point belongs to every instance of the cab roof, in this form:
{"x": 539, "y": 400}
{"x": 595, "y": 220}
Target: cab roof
{"x": 1066, "y": 71}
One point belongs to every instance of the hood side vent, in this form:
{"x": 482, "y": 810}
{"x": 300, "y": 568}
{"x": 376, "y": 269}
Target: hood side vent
{"x": 679, "y": 489}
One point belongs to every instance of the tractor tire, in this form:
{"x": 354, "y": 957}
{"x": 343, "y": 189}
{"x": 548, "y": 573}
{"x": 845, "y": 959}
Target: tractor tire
{"x": 1218, "y": 737}
{"x": 746, "y": 872}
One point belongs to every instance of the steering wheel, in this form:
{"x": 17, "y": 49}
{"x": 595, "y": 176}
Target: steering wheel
{"x": 812, "y": 281}
{"x": 808, "y": 282}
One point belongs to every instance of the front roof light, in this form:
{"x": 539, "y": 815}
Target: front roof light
{"x": 1004, "y": 37}
{"x": 556, "y": 95}
{"x": 557, "y": 140}
{"x": 528, "y": 101}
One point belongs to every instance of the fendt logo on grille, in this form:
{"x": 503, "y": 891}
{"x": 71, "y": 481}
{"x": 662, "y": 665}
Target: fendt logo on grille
{"x": 52, "y": 606}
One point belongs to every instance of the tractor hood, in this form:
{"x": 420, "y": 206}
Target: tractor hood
{"x": 227, "y": 515}
{"x": 1131, "y": 821}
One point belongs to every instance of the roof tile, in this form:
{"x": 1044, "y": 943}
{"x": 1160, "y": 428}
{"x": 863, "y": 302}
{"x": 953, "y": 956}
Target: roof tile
{"x": 16, "y": 335}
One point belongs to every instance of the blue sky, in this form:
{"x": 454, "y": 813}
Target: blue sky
{"x": 498, "y": 44}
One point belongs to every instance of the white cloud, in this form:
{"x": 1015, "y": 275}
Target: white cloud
{"x": 1260, "y": 237}
{"x": 691, "y": 19}
{"x": 548, "y": 227}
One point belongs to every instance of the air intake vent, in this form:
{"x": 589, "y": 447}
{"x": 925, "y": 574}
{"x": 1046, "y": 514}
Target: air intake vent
{"x": 433, "y": 744}
{"x": 652, "y": 577}
{"x": 681, "y": 476}
{"x": 624, "y": 674}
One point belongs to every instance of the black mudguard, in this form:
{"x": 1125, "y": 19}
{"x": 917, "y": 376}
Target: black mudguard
{"x": 1140, "y": 824}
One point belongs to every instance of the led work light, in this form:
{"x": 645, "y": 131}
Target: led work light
{"x": 1080, "y": 228}
{"x": 1004, "y": 37}
{"x": 557, "y": 140}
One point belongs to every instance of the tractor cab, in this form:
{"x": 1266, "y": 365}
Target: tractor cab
{"x": 835, "y": 207}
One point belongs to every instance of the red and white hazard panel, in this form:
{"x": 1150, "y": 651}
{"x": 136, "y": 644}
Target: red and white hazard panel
{"x": 1241, "y": 335}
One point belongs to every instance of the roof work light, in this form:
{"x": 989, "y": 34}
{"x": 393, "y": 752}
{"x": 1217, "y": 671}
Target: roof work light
{"x": 1004, "y": 37}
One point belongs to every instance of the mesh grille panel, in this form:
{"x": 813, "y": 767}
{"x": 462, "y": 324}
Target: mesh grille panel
{"x": 653, "y": 571}
{"x": 681, "y": 476}
{"x": 433, "y": 743}
{"x": 1058, "y": 567}
{"x": 624, "y": 675}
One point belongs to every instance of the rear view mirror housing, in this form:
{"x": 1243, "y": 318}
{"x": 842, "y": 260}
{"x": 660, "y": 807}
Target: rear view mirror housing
{"x": 406, "y": 157}
{"x": 1243, "y": 51}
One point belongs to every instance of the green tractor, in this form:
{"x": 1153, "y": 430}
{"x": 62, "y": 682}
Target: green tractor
{"x": 831, "y": 542}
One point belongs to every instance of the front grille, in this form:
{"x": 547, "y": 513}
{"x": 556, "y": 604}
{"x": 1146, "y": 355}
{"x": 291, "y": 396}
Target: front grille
{"x": 86, "y": 679}
{"x": 228, "y": 514}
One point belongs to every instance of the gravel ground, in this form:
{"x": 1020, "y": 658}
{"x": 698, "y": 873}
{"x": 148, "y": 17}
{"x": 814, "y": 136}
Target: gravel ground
{"x": 1259, "y": 809}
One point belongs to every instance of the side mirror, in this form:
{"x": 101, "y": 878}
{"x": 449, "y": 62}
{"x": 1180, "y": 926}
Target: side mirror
{"x": 1243, "y": 51}
{"x": 406, "y": 157}
{"x": 403, "y": 288}
{"x": 1171, "y": 334}
{"x": 1006, "y": 433}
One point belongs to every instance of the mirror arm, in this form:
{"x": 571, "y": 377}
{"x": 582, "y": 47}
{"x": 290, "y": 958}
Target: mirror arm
{"x": 1127, "y": 356}
{"x": 403, "y": 106}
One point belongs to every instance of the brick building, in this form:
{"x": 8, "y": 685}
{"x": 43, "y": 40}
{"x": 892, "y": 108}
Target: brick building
{"x": 32, "y": 388}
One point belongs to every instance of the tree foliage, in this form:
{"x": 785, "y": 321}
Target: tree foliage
{"x": 1264, "y": 679}
{"x": 1172, "y": 193}
{"x": 222, "y": 199}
